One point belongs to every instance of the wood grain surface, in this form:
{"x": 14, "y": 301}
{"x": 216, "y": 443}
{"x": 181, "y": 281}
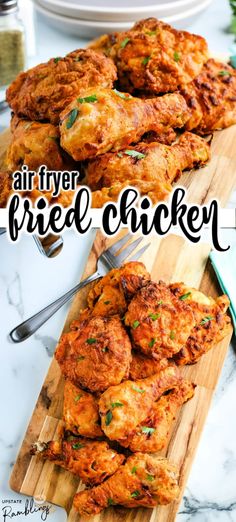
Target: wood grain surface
{"x": 169, "y": 259}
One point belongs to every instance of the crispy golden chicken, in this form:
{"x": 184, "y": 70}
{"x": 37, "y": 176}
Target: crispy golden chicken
{"x": 153, "y": 434}
{"x": 142, "y": 366}
{"x": 154, "y": 57}
{"x": 105, "y": 120}
{"x": 80, "y": 412}
{"x": 211, "y": 98}
{"x": 64, "y": 198}
{"x": 159, "y": 322}
{"x": 96, "y": 354}
{"x": 144, "y": 480}
{"x": 213, "y": 324}
{"x": 150, "y": 167}
{"x": 92, "y": 461}
{"x": 42, "y": 92}
{"x": 123, "y": 407}
{"x": 35, "y": 144}
{"x": 111, "y": 294}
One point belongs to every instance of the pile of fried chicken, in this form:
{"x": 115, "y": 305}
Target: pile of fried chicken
{"x": 123, "y": 386}
{"x": 133, "y": 109}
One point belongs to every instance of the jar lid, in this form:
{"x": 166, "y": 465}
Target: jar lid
{"x": 8, "y": 6}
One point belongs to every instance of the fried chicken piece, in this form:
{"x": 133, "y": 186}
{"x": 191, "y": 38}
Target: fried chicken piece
{"x": 110, "y": 295}
{"x": 92, "y": 461}
{"x": 123, "y": 407}
{"x": 152, "y": 435}
{"x": 5, "y": 187}
{"x": 159, "y": 322}
{"x": 35, "y": 144}
{"x": 150, "y": 167}
{"x": 213, "y": 324}
{"x": 64, "y": 198}
{"x": 144, "y": 480}
{"x": 211, "y": 98}
{"x": 80, "y": 412}
{"x": 142, "y": 366}
{"x": 42, "y": 92}
{"x": 96, "y": 354}
{"x": 109, "y": 120}
{"x": 153, "y": 56}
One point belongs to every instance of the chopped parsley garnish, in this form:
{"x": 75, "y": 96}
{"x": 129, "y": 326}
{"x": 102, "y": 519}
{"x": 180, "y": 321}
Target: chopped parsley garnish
{"x": 224, "y": 73}
{"x": 172, "y": 334}
{"x": 124, "y": 42}
{"x": 78, "y": 397}
{"x": 110, "y": 502}
{"x": 107, "y": 302}
{"x": 146, "y": 60}
{"x": 123, "y": 95}
{"x": 152, "y": 342}
{"x": 71, "y": 118}
{"x": 154, "y": 316}
{"x": 133, "y": 470}
{"x": 146, "y": 429}
{"x": 206, "y": 319}
{"x": 116, "y": 405}
{"x": 135, "y": 493}
{"x": 78, "y": 445}
{"x": 57, "y": 59}
{"x": 160, "y": 302}
{"x": 135, "y": 324}
{"x": 80, "y": 358}
{"x": 184, "y": 296}
{"x": 137, "y": 389}
{"x": 134, "y": 154}
{"x": 91, "y": 340}
{"x": 151, "y": 33}
{"x": 150, "y": 478}
{"x": 120, "y": 154}
{"x": 176, "y": 56}
{"x": 88, "y": 99}
{"x": 108, "y": 418}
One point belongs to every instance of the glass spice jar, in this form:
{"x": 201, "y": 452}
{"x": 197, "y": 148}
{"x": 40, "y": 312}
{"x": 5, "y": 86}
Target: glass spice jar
{"x": 12, "y": 42}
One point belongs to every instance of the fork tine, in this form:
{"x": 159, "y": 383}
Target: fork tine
{"x": 140, "y": 252}
{"x": 128, "y": 250}
{"x": 116, "y": 246}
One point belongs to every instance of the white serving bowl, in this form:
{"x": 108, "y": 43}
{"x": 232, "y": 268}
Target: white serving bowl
{"x": 90, "y": 28}
{"x": 117, "y": 11}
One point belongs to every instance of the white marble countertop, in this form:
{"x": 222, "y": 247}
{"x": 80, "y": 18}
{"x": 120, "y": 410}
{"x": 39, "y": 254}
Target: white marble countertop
{"x": 29, "y": 281}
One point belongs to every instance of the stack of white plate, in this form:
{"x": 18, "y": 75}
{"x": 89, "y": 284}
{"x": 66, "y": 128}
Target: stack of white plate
{"x": 89, "y": 18}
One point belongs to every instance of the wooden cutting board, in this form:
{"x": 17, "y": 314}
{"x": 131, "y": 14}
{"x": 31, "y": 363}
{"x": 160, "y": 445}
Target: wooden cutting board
{"x": 170, "y": 259}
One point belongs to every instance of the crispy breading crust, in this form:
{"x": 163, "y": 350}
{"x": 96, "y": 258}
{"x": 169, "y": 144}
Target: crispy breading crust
{"x": 42, "y": 92}
{"x": 123, "y": 407}
{"x": 92, "y": 461}
{"x": 153, "y": 56}
{"x": 213, "y": 324}
{"x": 80, "y": 412}
{"x": 97, "y": 354}
{"x": 110, "y": 120}
{"x": 159, "y": 322}
{"x": 211, "y": 98}
{"x": 35, "y": 144}
{"x": 152, "y": 173}
{"x": 144, "y": 480}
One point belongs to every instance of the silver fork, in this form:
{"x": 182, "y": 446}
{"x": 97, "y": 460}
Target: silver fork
{"x": 110, "y": 258}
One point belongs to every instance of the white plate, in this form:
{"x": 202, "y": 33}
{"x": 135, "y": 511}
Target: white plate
{"x": 91, "y": 29}
{"x": 117, "y": 11}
